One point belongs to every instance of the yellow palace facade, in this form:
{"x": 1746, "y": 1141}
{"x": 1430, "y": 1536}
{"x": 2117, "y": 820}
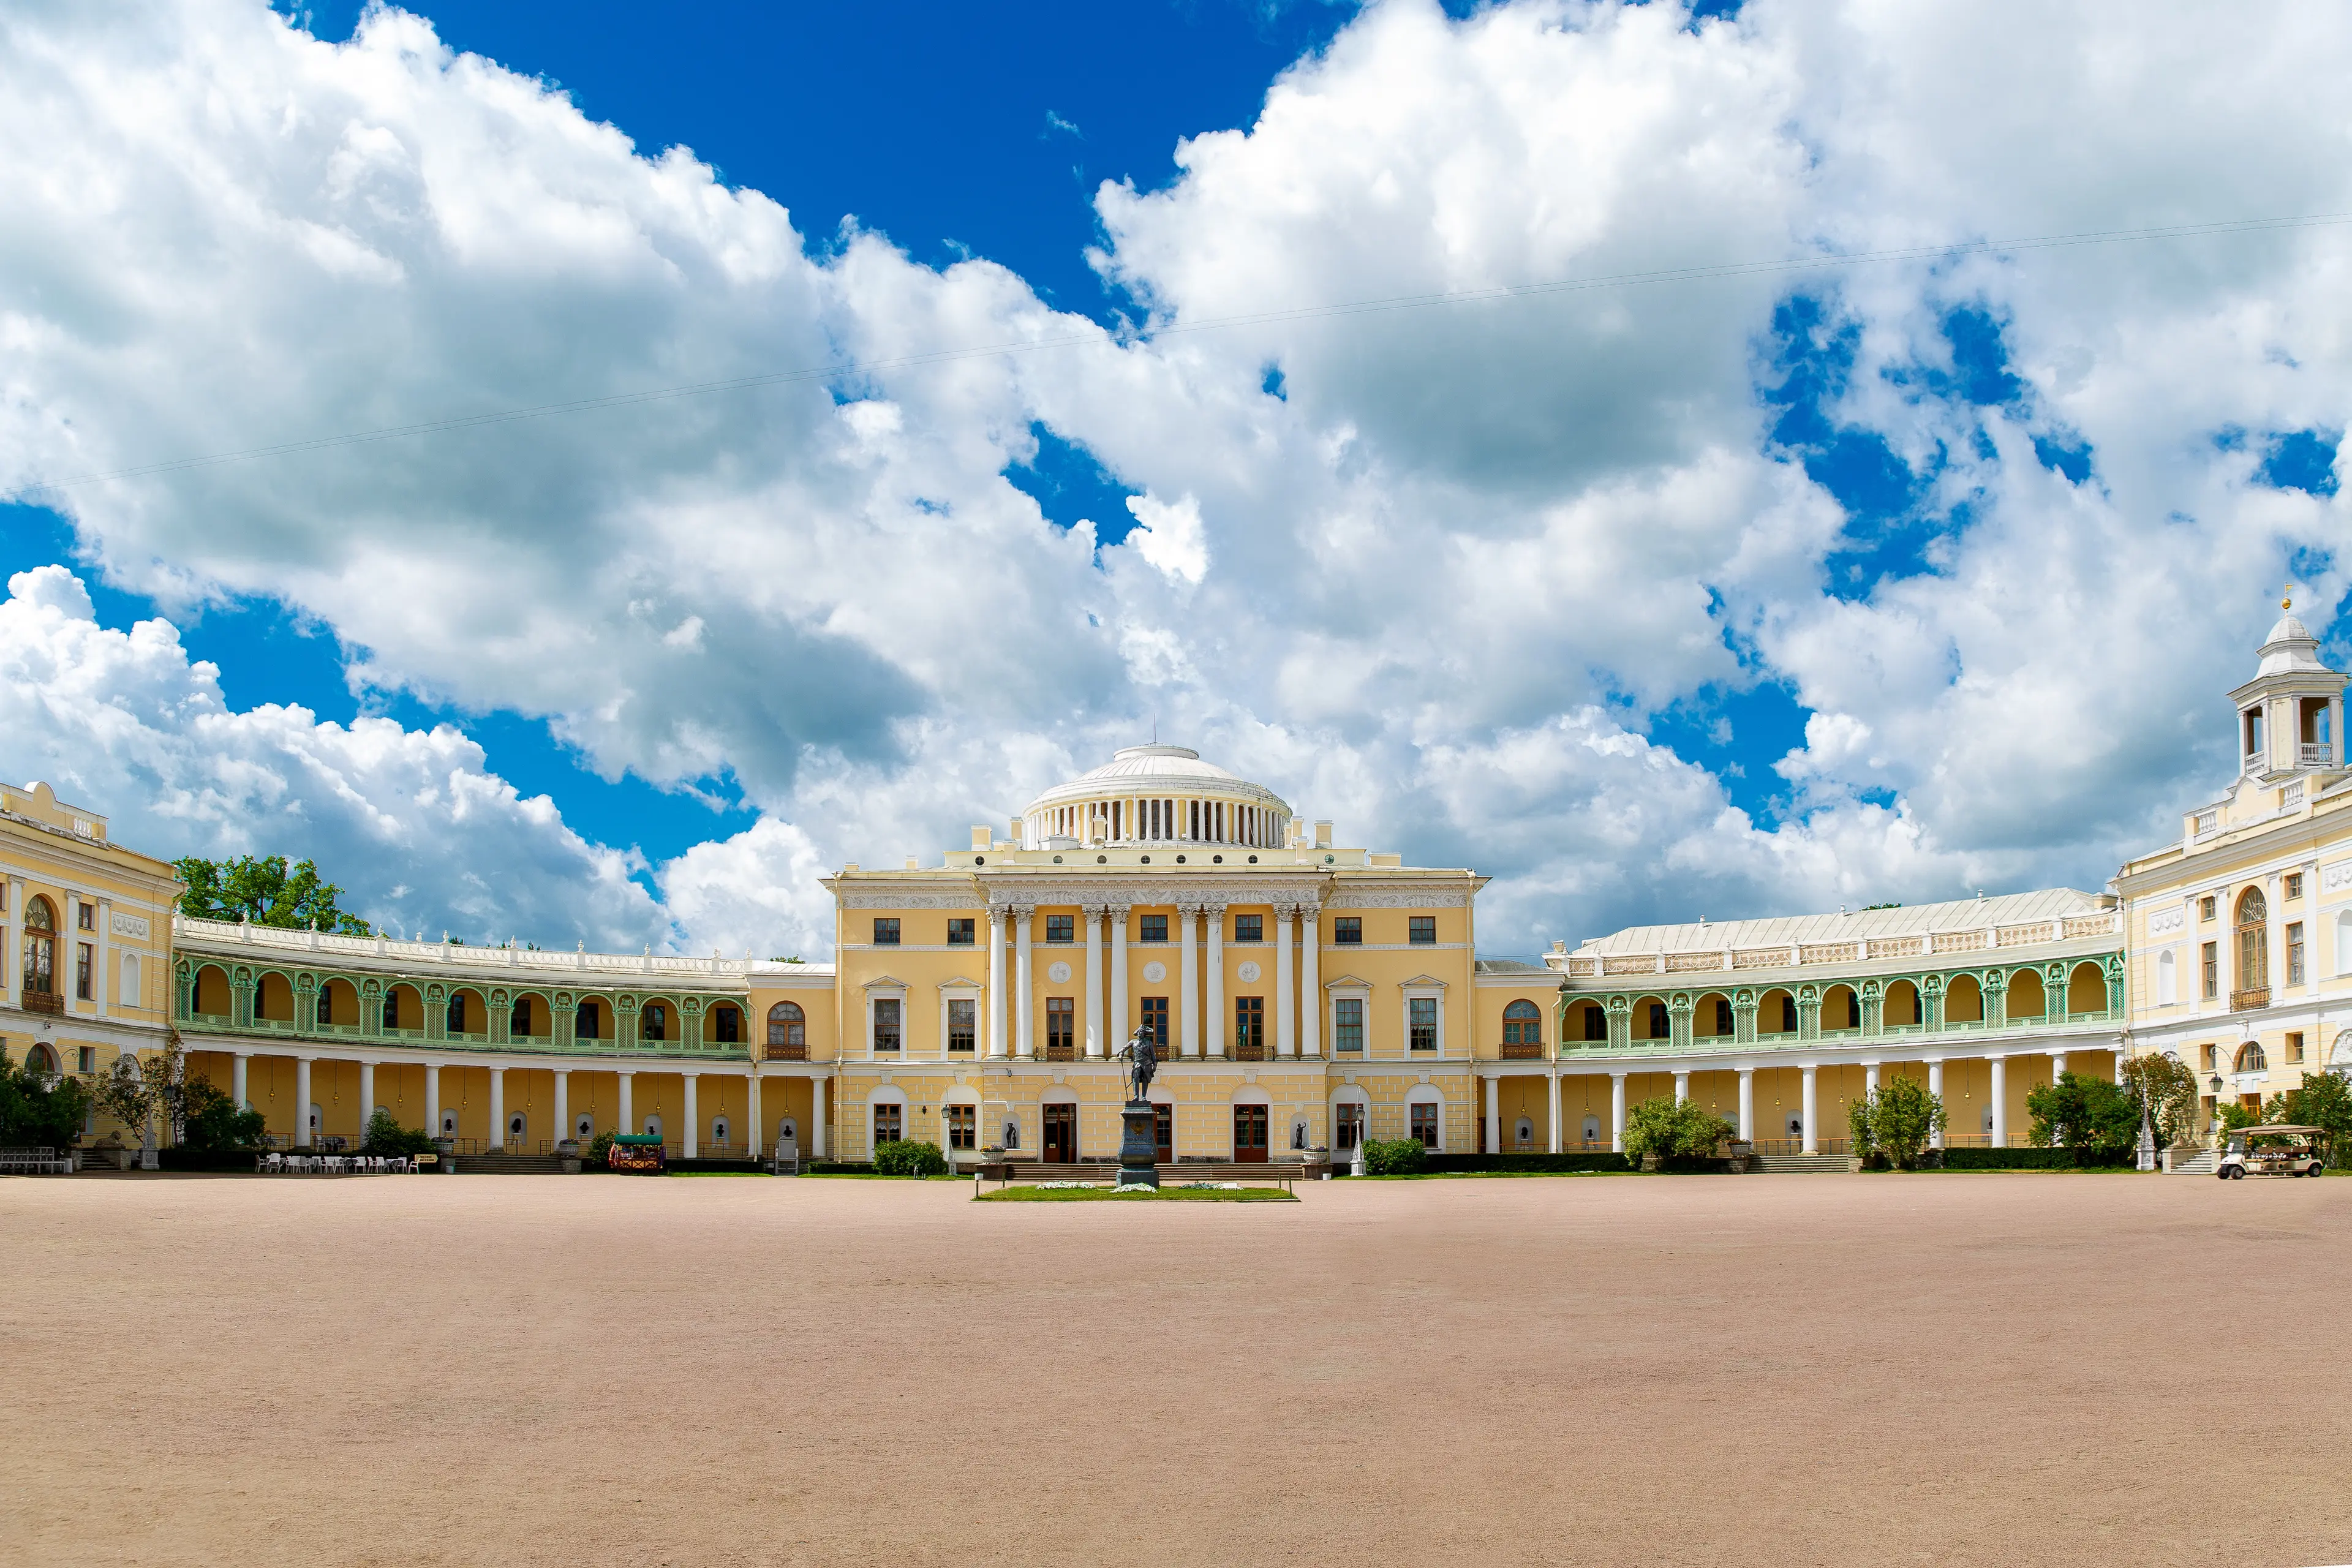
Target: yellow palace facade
{"x": 1303, "y": 994}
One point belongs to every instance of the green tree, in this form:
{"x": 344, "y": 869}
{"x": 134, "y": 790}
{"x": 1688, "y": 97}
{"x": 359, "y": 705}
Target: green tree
{"x": 2233, "y": 1116}
{"x": 38, "y": 1110}
{"x": 2169, "y": 1089}
{"x": 2324, "y": 1101}
{"x": 130, "y": 1094}
{"x": 1671, "y": 1129}
{"x": 212, "y": 1121}
{"x": 2088, "y": 1115}
{"x": 1896, "y": 1121}
{"x": 260, "y": 888}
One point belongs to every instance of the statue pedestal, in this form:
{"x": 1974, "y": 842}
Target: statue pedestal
{"x": 1138, "y": 1148}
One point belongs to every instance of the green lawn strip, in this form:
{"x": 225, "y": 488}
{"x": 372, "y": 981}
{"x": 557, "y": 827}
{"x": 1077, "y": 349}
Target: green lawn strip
{"x": 1164, "y": 1195}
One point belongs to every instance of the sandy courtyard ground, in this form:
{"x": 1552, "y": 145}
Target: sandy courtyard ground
{"x": 1709, "y": 1370}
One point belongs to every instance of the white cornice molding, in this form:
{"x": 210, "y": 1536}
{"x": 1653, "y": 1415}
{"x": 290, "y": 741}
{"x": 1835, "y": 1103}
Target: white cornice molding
{"x": 1395, "y": 898}
{"x": 972, "y": 900}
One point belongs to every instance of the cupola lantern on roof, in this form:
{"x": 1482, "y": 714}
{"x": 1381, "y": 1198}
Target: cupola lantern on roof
{"x": 2291, "y": 715}
{"x": 1156, "y": 794}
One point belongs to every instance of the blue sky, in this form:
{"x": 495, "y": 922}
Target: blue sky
{"x": 1770, "y": 591}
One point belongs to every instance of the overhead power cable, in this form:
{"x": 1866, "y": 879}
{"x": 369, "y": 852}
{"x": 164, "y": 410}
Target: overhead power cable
{"x": 1106, "y": 337}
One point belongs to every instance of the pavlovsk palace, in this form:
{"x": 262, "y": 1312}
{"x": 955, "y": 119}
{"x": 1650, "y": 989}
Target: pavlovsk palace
{"x": 1303, "y": 994}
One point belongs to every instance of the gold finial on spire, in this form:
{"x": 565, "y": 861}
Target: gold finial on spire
{"x": 2287, "y": 597}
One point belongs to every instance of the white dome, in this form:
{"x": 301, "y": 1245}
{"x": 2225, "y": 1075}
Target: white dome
{"x": 1158, "y": 793}
{"x": 2289, "y": 647}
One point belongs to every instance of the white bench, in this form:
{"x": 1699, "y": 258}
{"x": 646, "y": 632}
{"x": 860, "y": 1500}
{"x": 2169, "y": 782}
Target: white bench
{"x": 34, "y": 1162}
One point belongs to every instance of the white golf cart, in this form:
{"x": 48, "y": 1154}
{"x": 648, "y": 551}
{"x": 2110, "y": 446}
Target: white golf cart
{"x": 2276, "y": 1150}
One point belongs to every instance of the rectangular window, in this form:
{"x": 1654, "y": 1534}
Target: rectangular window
{"x": 1421, "y": 1023}
{"x": 2294, "y": 951}
{"x": 1347, "y": 1024}
{"x": 2294, "y": 884}
{"x": 1155, "y": 1018}
{"x": 652, "y": 1024}
{"x": 1423, "y": 931}
{"x": 587, "y": 1020}
{"x": 518, "y": 1020}
{"x": 960, "y": 932}
{"x": 1151, "y": 928}
{"x": 1249, "y": 927}
{"x": 2212, "y": 956}
{"x": 1249, "y": 1028}
{"x": 886, "y": 930}
{"x": 886, "y": 1123}
{"x": 886, "y": 1024}
{"x": 1061, "y": 1028}
{"x": 1351, "y": 1127}
{"x": 86, "y": 915}
{"x": 84, "y": 960}
{"x": 1061, "y": 928}
{"x": 1348, "y": 931}
{"x": 327, "y": 1006}
{"x": 89, "y": 1058}
{"x": 1596, "y": 1023}
{"x": 1659, "y": 1027}
{"x": 457, "y": 1014}
{"x": 2205, "y": 908}
{"x": 726, "y": 1026}
{"x": 1424, "y": 1125}
{"x": 963, "y": 1024}
{"x": 964, "y": 1126}
{"x": 2294, "y": 1048}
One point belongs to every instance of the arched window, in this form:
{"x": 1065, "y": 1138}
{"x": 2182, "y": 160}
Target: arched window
{"x": 787, "y": 1033}
{"x": 1523, "y": 1024}
{"x": 2167, "y": 979}
{"x": 42, "y": 1060}
{"x": 40, "y": 946}
{"x": 2254, "y": 942}
{"x": 2250, "y": 1058}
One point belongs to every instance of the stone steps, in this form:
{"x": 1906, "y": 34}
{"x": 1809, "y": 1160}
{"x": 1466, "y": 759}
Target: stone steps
{"x": 2197, "y": 1164}
{"x": 1798, "y": 1164}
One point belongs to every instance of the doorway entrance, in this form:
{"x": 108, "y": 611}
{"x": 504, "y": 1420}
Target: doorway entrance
{"x": 1249, "y": 1134}
{"x": 1061, "y": 1134}
{"x": 1163, "y": 1134}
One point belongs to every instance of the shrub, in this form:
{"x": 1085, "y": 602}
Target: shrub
{"x": 599, "y": 1147}
{"x": 1895, "y": 1121}
{"x": 38, "y": 1110}
{"x": 907, "y": 1157}
{"x": 387, "y": 1137}
{"x": 1531, "y": 1163}
{"x": 212, "y": 1122}
{"x": 1395, "y": 1156}
{"x": 1671, "y": 1129}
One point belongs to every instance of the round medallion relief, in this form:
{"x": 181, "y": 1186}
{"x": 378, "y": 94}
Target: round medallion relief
{"x": 1058, "y": 972}
{"x": 1155, "y": 971}
{"x": 1249, "y": 971}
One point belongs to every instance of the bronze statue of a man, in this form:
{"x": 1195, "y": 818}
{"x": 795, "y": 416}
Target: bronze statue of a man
{"x": 1143, "y": 1064}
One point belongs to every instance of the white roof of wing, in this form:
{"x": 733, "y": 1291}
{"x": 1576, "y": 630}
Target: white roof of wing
{"x": 1912, "y": 919}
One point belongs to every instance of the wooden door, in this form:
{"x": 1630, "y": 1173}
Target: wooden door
{"x": 1249, "y": 1134}
{"x": 1163, "y": 1134}
{"x": 1061, "y": 1134}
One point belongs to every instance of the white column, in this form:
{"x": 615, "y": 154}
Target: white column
{"x": 820, "y": 1124}
{"x": 1024, "y": 1039}
{"x": 98, "y": 983}
{"x": 1092, "y": 914}
{"x": 1748, "y": 1105}
{"x": 1119, "y": 1017}
{"x": 1555, "y": 1110}
{"x": 10, "y": 949}
{"x": 1285, "y": 1038}
{"x": 236, "y": 1080}
{"x": 1493, "y": 1115}
{"x": 1681, "y": 1087}
{"x": 497, "y": 1107}
{"x": 2058, "y": 1058}
{"x": 562, "y": 1104}
{"x": 1811, "y": 1144}
{"x": 1870, "y": 1078}
{"x": 693, "y": 1131}
{"x": 432, "y": 1100}
{"x": 1310, "y": 983}
{"x": 1218, "y": 1037}
{"x": 1188, "y": 972}
{"x": 996, "y": 979}
{"x": 367, "y": 1095}
{"x": 2000, "y": 1102}
{"x": 751, "y": 1109}
{"x": 1936, "y": 1089}
{"x": 302, "y": 1102}
{"x": 1617, "y": 1113}
{"x": 628, "y": 1083}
